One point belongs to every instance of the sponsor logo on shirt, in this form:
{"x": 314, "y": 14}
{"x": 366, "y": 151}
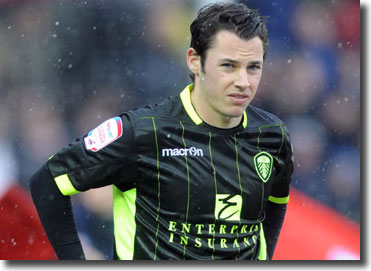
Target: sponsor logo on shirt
{"x": 221, "y": 236}
{"x": 228, "y": 207}
{"x": 104, "y": 134}
{"x": 192, "y": 151}
{"x": 226, "y": 233}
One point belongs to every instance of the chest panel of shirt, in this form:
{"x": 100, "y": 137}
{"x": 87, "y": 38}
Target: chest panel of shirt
{"x": 185, "y": 168}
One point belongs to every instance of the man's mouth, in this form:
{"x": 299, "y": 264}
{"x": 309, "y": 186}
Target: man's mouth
{"x": 238, "y": 97}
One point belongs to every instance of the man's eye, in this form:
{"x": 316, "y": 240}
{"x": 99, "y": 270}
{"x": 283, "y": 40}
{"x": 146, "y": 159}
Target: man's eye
{"x": 227, "y": 65}
{"x": 254, "y": 67}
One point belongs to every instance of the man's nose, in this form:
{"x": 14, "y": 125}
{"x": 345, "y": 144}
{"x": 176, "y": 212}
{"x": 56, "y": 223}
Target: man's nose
{"x": 242, "y": 80}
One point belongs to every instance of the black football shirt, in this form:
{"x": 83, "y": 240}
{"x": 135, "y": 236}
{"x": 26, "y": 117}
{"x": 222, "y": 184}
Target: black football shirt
{"x": 182, "y": 189}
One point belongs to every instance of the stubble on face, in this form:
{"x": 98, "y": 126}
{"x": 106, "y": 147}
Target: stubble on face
{"x": 229, "y": 80}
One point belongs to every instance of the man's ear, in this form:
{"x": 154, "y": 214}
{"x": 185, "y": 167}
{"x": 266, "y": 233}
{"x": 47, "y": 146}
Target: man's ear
{"x": 194, "y": 61}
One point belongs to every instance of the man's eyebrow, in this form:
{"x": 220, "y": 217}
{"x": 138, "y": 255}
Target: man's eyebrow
{"x": 257, "y": 62}
{"x": 228, "y": 60}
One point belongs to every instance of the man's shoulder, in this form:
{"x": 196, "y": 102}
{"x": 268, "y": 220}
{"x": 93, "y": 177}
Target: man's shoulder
{"x": 258, "y": 117}
{"x": 271, "y": 129}
{"x": 169, "y": 108}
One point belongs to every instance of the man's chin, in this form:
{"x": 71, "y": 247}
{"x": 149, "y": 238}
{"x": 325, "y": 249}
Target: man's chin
{"x": 237, "y": 112}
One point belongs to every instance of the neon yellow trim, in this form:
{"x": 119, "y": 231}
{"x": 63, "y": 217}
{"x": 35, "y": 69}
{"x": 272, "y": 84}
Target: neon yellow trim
{"x": 239, "y": 182}
{"x": 263, "y": 245}
{"x": 51, "y": 157}
{"x": 158, "y": 186}
{"x": 283, "y": 200}
{"x": 216, "y": 188}
{"x": 124, "y": 222}
{"x": 188, "y": 187}
{"x": 65, "y": 186}
{"x": 244, "y": 123}
{"x": 185, "y": 96}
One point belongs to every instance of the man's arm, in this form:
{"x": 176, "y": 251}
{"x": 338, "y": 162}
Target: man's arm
{"x": 274, "y": 217}
{"x": 275, "y": 212}
{"x": 56, "y": 215}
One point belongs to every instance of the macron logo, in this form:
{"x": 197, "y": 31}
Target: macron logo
{"x": 192, "y": 151}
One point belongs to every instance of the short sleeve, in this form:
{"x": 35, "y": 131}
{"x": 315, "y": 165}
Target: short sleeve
{"x": 104, "y": 156}
{"x": 285, "y": 160}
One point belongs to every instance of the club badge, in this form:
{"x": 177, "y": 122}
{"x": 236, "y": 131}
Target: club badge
{"x": 263, "y": 162}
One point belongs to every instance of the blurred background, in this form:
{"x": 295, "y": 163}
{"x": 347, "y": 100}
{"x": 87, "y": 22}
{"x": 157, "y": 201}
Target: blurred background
{"x": 67, "y": 65}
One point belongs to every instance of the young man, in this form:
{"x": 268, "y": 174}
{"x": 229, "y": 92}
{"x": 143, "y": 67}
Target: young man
{"x": 203, "y": 175}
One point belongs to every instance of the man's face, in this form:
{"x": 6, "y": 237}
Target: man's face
{"x": 229, "y": 80}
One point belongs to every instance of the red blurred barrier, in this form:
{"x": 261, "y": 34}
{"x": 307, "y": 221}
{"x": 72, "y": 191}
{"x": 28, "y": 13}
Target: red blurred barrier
{"x": 312, "y": 231}
{"x": 21, "y": 234}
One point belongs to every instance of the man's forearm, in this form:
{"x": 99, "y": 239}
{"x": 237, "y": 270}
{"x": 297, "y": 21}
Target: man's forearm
{"x": 56, "y": 215}
{"x": 274, "y": 217}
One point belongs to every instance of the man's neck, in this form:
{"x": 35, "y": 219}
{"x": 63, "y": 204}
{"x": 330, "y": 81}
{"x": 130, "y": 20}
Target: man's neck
{"x": 212, "y": 118}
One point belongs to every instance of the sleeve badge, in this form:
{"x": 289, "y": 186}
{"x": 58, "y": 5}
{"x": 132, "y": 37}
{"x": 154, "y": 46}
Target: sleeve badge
{"x": 104, "y": 134}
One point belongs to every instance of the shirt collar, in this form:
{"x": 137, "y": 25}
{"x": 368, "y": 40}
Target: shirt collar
{"x": 185, "y": 97}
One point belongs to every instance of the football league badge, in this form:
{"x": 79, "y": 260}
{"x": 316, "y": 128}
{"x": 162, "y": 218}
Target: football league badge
{"x": 104, "y": 134}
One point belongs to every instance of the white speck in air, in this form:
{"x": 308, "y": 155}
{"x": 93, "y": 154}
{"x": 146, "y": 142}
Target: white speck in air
{"x": 31, "y": 241}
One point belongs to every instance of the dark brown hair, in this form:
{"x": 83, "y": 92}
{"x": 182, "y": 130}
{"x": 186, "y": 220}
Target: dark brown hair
{"x": 237, "y": 18}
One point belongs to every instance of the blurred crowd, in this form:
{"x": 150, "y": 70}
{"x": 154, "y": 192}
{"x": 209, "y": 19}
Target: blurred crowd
{"x": 66, "y": 66}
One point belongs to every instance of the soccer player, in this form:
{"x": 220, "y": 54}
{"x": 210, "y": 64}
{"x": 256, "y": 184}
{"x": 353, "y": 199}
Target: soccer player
{"x": 204, "y": 175}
